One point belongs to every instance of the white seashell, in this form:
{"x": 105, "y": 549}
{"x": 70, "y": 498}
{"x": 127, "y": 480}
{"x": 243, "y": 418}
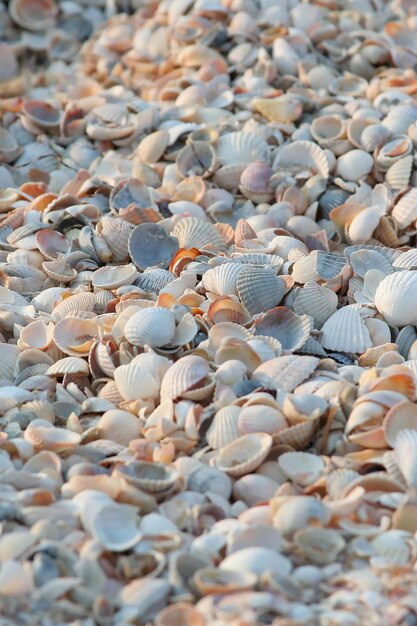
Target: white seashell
{"x": 224, "y": 427}
{"x": 317, "y": 301}
{"x": 297, "y": 512}
{"x": 260, "y": 419}
{"x": 134, "y": 382}
{"x": 189, "y": 372}
{"x": 254, "y": 489}
{"x": 300, "y": 156}
{"x": 245, "y": 454}
{"x": 320, "y": 545}
{"x": 259, "y": 289}
{"x": 257, "y": 560}
{"x": 395, "y": 300}
{"x": 152, "y": 326}
{"x": 194, "y": 233}
{"x": 119, "y": 426}
{"x": 406, "y": 455}
{"x": 241, "y": 148}
{"x": 354, "y": 165}
{"x": 301, "y": 467}
{"x": 405, "y": 210}
{"x": 346, "y": 330}
{"x": 222, "y": 279}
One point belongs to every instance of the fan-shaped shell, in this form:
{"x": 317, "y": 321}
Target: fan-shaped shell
{"x": 119, "y": 426}
{"x": 346, "y": 331}
{"x": 245, "y": 454}
{"x": 317, "y": 301}
{"x": 406, "y": 455}
{"x": 320, "y": 545}
{"x": 259, "y": 418}
{"x": 286, "y": 372}
{"x": 151, "y": 477}
{"x": 152, "y": 326}
{"x": 78, "y": 302}
{"x": 153, "y": 146}
{"x": 259, "y": 289}
{"x": 301, "y": 155}
{"x": 194, "y": 233}
{"x": 224, "y": 427}
{"x": 69, "y": 365}
{"x": 291, "y": 330}
{"x": 188, "y": 373}
{"x": 405, "y": 210}
{"x": 241, "y": 148}
{"x": 222, "y": 279}
{"x": 396, "y": 298}
{"x": 75, "y": 336}
{"x": 134, "y": 381}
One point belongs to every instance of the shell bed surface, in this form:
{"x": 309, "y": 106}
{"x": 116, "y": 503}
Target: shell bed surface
{"x": 208, "y": 312}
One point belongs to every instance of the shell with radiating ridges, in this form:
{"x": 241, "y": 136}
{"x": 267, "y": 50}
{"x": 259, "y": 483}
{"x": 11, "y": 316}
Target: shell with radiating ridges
{"x": 259, "y": 289}
{"x": 291, "y": 330}
{"x": 302, "y": 154}
{"x": 396, "y": 298}
{"x": 194, "y": 233}
{"x": 346, "y": 330}
{"x": 241, "y": 148}
{"x": 317, "y": 301}
{"x": 152, "y": 326}
{"x": 187, "y": 373}
{"x": 222, "y": 279}
{"x": 224, "y": 427}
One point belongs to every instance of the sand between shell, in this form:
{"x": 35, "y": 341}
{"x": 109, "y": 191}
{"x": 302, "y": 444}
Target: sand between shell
{"x": 208, "y": 311}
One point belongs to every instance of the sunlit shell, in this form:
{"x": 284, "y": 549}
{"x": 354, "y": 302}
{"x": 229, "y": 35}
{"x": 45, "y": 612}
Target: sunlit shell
{"x": 152, "y": 326}
{"x": 405, "y": 211}
{"x": 222, "y": 279}
{"x": 279, "y": 110}
{"x": 194, "y": 233}
{"x": 257, "y": 560}
{"x": 317, "y": 301}
{"x": 302, "y": 156}
{"x": 75, "y": 336}
{"x": 224, "y": 427}
{"x": 241, "y": 148}
{"x": 153, "y": 146}
{"x": 394, "y": 298}
{"x": 151, "y": 477}
{"x": 321, "y": 545}
{"x": 286, "y": 372}
{"x": 189, "y": 373}
{"x": 346, "y": 330}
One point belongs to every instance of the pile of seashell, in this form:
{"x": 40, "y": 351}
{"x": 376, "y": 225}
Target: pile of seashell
{"x": 208, "y": 312}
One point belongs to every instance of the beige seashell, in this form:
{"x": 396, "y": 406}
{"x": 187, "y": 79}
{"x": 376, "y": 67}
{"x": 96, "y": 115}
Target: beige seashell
{"x": 224, "y": 427}
{"x": 317, "y": 301}
{"x": 152, "y": 326}
{"x": 153, "y": 146}
{"x": 286, "y": 372}
{"x": 180, "y": 613}
{"x": 259, "y": 289}
{"x": 9, "y": 147}
{"x": 405, "y": 455}
{"x": 68, "y": 365}
{"x": 119, "y": 426}
{"x": 301, "y": 467}
{"x": 399, "y": 174}
{"x": 400, "y": 417}
{"x": 320, "y": 545}
{"x": 15, "y": 579}
{"x": 116, "y": 233}
{"x": 394, "y": 150}
{"x": 75, "y": 336}
{"x": 279, "y": 109}
{"x": 149, "y": 245}
{"x": 37, "y": 335}
{"x": 405, "y": 210}
{"x": 254, "y": 489}
{"x": 257, "y": 560}
{"x": 59, "y": 271}
{"x": 394, "y": 298}
{"x": 42, "y": 114}
{"x": 114, "y": 276}
{"x": 196, "y": 159}
{"x": 245, "y": 454}
{"x": 44, "y": 436}
{"x": 147, "y": 596}
{"x": 77, "y": 302}
{"x": 254, "y": 182}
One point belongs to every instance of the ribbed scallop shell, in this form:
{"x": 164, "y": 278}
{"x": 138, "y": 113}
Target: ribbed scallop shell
{"x": 302, "y": 154}
{"x": 149, "y": 476}
{"x": 152, "y": 281}
{"x": 291, "y": 330}
{"x": 406, "y": 455}
{"x": 286, "y": 372}
{"x": 224, "y": 429}
{"x": 78, "y": 302}
{"x": 188, "y": 373}
{"x": 346, "y": 331}
{"x": 405, "y": 210}
{"x": 134, "y": 382}
{"x": 222, "y": 279}
{"x": 406, "y": 260}
{"x": 402, "y": 416}
{"x": 396, "y": 298}
{"x": 304, "y": 270}
{"x": 317, "y": 301}
{"x": 75, "y": 336}
{"x": 300, "y": 467}
{"x": 152, "y": 326}
{"x": 194, "y": 233}
{"x": 69, "y": 365}
{"x": 373, "y": 136}
{"x": 259, "y": 289}
{"x": 258, "y": 418}
{"x": 245, "y": 454}
{"x": 153, "y": 146}
{"x": 241, "y": 148}
{"x": 116, "y": 233}
{"x": 399, "y": 174}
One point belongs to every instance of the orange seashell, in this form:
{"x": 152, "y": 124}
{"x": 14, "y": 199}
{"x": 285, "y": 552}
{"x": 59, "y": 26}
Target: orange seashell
{"x": 181, "y": 258}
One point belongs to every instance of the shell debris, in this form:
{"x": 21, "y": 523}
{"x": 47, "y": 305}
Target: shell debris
{"x": 208, "y": 312}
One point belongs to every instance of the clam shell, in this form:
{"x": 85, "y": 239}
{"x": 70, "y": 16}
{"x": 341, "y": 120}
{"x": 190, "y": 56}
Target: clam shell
{"x": 75, "y": 336}
{"x": 405, "y": 210}
{"x": 346, "y": 331}
{"x": 114, "y": 276}
{"x": 224, "y": 427}
{"x": 406, "y": 455}
{"x": 399, "y": 174}
{"x": 241, "y": 148}
{"x": 222, "y": 279}
{"x": 317, "y": 301}
{"x": 291, "y": 330}
{"x": 279, "y": 109}
{"x": 153, "y": 146}
{"x": 188, "y": 373}
{"x": 301, "y": 467}
{"x": 152, "y": 326}
{"x": 260, "y": 419}
{"x": 285, "y": 372}
{"x": 320, "y": 545}
{"x": 400, "y": 417}
{"x": 300, "y": 155}
{"x": 150, "y": 245}
{"x": 194, "y": 233}
{"x": 77, "y": 302}
{"x": 258, "y": 561}
{"x": 134, "y": 382}
{"x": 211, "y": 580}
{"x": 395, "y": 300}
{"x": 68, "y": 365}
{"x": 119, "y": 426}
{"x": 151, "y": 477}
{"x": 354, "y": 165}
{"x": 245, "y": 454}
{"x": 259, "y": 289}
{"x": 298, "y": 512}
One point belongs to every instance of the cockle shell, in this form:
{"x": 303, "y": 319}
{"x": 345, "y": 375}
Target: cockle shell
{"x": 194, "y": 233}
{"x": 259, "y": 418}
{"x": 241, "y": 148}
{"x": 394, "y": 298}
{"x": 224, "y": 427}
{"x": 150, "y": 245}
{"x": 301, "y": 467}
{"x": 259, "y": 289}
{"x": 152, "y": 326}
{"x": 189, "y": 373}
{"x": 346, "y": 330}
{"x": 75, "y": 336}
{"x": 291, "y": 330}
{"x": 302, "y": 154}
{"x": 222, "y": 279}
{"x": 297, "y": 512}
{"x": 321, "y": 545}
{"x": 245, "y": 454}
{"x": 257, "y": 560}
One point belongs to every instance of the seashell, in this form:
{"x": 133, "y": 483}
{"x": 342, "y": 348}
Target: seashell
{"x": 112, "y": 277}
{"x": 68, "y": 365}
{"x": 224, "y": 427}
{"x": 400, "y": 417}
{"x": 399, "y": 173}
{"x": 153, "y": 146}
{"x": 392, "y": 298}
{"x": 297, "y": 512}
{"x": 42, "y": 114}
{"x": 317, "y": 301}
{"x": 190, "y": 373}
{"x": 75, "y": 336}
{"x": 196, "y": 159}
{"x": 222, "y": 279}
{"x": 290, "y": 329}
{"x": 211, "y": 580}
{"x": 151, "y": 477}
{"x": 405, "y": 211}
{"x": 330, "y": 132}
{"x": 152, "y": 326}
{"x": 245, "y": 454}
{"x": 44, "y": 436}
{"x": 9, "y": 147}
{"x": 241, "y": 148}
{"x": 116, "y": 233}
{"x": 259, "y": 289}
{"x": 285, "y": 372}
{"x": 194, "y": 233}
{"x": 149, "y": 245}
{"x": 393, "y": 150}
{"x": 119, "y": 426}
{"x": 77, "y": 302}
{"x": 258, "y": 561}
{"x": 354, "y": 165}
{"x": 278, "y": 109}
{"x": 405, "y": 455}
{"x": 301, "y": 467}
{"x": 300, "y": 156}
{"x": 346, "y": 330}
{"x": 59, "y": 271}
{"x": 260, "y": 418}
{"x": 320, "y": 545}
{"x": 254, "y": 489}
{"x": 180, "y": 613}
{"x": 254, "y": 182}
